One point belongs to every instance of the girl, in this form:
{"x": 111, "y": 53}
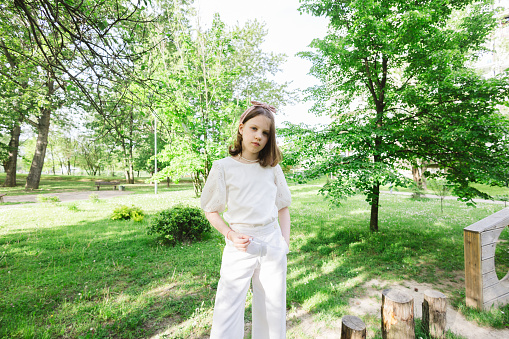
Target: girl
{"x": 252, "y": 185}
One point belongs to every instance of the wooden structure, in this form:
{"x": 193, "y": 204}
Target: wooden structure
{"x": 483, "y": 288}
{"x": 397, "y": 315}
{"x": 102, "y": 183}
{"x": 434, "y": 308}
{"x": 352, "y": 327}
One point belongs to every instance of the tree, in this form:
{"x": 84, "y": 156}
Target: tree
{"x": 209, "y": 81}
{"x": 84, "y": 47}
{"x": 18, "y": 98}
{"x": 92, "y": 155}
{"x": 144, "y": 152}
{"x": 441, "y": 189}
{"x": 395, "y": 83}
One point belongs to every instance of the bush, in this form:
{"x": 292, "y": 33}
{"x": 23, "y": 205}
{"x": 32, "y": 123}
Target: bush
{"x": 94, "y": 197}
{"x": 417, "y": 190}
{"x": 180, "y": 224}
{"x": 73, "y": 207}
{"x": 127, "y": 213}
{"x": 49, "y": 198}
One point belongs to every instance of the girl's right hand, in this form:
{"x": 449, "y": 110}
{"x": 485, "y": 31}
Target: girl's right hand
{"x": 240, "y": 241}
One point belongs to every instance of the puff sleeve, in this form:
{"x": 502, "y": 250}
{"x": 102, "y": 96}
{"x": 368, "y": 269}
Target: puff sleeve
{"x": 283, "y": 196}
{"x": 213, "y": 196}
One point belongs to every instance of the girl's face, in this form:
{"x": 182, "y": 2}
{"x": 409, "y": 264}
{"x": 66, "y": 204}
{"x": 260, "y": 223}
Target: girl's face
{"x": 255, "y": 134}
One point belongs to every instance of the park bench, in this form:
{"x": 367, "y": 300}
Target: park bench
{"x": 103, "y": 183}
{"x": 2, "y": 196}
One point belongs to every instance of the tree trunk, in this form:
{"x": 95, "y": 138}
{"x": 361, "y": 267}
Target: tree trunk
{"x": 68, "y": 167}
{"x": 197, "y": 184}
{"x": 11, "y": 163}
{"x": 131, "y": 166}
{"x": 131, "y": 171}
{"x": 128, "y": 164}
{"x": 34, "y": 176}
{"x": 352, "y": 328}
{"x": 417, "y": 176}
{"x": 375, "y": 201}
{"x": 424, "y": 167}
{"x": 397, "y": 315}
{"x": 127, "y": 176}
{"x": 12, "y": 160}
{"x": 434, "y": 308}
{"x": 53, "y": 160}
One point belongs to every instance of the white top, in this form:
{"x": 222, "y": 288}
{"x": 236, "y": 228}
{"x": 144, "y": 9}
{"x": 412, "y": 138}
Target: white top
{"x": 253, "y": 194}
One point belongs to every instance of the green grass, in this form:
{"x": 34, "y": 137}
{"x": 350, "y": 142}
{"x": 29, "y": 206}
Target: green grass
{"x": 69, "y": 271}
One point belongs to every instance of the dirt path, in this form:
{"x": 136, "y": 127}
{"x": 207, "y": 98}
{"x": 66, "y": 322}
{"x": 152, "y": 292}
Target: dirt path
{"x": 433, "y": 196}
{"x": 67, "y": 196}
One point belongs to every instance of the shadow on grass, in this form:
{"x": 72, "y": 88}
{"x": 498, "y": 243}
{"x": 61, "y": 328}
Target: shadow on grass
{"x": 338, "y": 254}
{"x": 101, "y": 279}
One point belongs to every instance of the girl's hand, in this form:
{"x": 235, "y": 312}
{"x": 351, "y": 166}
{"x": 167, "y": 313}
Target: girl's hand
{"x": 240, "y": 241}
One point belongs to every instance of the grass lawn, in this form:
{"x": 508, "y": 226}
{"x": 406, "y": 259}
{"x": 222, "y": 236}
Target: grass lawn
{"x": 69, "y": 271}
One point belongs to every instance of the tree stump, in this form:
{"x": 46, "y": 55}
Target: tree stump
{"x": 434, "y": 309}
{"x": 352, "y": 327}
{"x": 397, "y": 315}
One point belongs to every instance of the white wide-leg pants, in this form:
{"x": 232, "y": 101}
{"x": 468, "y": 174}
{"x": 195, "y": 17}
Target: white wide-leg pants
{"x": 264, "y": 264}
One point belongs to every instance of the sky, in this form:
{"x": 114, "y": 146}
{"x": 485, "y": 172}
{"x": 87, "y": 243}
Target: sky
{"x": 289, "y": 32}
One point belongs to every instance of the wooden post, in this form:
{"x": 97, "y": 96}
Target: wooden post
{"x": 473, "y": 269}
{"x": 434, "y": 309}
{"x": 352, "y": 327}
{"x": 397, "y": 315}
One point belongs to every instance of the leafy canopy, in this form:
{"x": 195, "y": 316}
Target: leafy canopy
{"x": 394, "y": 80}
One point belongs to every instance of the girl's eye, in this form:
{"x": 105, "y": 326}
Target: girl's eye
{"x": 253, "y": 128}
{"x": 265, "y": 133}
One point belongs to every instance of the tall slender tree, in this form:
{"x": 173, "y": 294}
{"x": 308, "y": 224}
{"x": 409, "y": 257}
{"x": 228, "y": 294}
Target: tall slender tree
{"x": 215, "y": 73}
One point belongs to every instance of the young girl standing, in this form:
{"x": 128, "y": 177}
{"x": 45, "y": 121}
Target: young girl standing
{"x": 256, "y": 226}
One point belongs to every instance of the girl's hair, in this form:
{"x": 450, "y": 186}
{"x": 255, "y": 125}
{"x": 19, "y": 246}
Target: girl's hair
{"x": 270, "y": 155}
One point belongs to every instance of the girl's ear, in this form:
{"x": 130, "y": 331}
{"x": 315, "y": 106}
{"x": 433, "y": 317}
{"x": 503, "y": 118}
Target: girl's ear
{"x": 241, "y": 128}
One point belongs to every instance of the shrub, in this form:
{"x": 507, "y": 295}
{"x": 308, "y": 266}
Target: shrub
{"x": 49, "y": 198}
{"x": 73, "y": 207}
{"x": 180, "y": 224}
{"x": 127, "y": 213}
{"x": 417, "y": 190}
{"x": 94, "y": 197}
